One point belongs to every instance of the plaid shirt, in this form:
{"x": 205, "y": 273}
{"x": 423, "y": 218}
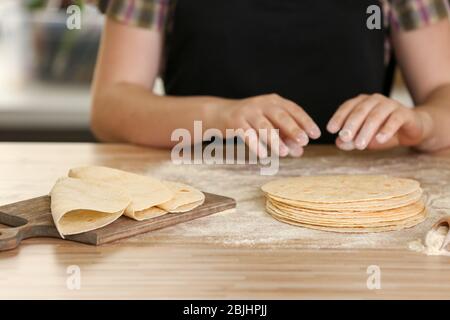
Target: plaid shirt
{"x": 150, "y": 14}
{"x": 400, "y": 14}
{"x": 414, "y": 14}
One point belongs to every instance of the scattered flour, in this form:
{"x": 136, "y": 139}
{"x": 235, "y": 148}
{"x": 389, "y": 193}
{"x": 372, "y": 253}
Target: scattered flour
{"x": 433, "y": 243}
{"x": 249, "y": 225}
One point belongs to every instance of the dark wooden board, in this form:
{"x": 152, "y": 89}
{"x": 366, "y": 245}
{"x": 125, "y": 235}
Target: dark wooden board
{"x": 32, "y": 218}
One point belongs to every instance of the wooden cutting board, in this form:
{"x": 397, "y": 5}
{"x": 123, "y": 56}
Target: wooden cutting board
{"x": 32, "y": 218}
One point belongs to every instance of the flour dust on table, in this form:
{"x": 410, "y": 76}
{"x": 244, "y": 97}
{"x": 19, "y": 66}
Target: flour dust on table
{"x": 250, "y": 225}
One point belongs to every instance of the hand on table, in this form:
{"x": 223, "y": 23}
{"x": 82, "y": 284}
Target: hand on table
{"x": 376, "y": 122}
{"x": 271, "y": 112}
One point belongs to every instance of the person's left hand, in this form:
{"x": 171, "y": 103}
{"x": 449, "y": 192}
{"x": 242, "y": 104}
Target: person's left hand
{"x": 376, "y": 122}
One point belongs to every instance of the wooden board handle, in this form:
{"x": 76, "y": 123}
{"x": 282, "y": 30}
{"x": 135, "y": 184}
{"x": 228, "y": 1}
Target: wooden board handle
{"x": 10, "y": 238}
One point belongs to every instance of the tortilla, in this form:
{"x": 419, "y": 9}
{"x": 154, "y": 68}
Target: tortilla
{"x": 412, "y": 208}
{"x": 185, "y": 198}
{"x": 359, "y": 203}
{"x": 79, "y": 206}
{"x": 387, "y": 218}
{"x": 340, "y": 189}
{"x": 149, "y": 213}
{"x": 361, "y": 229}
{"x": 145, "y": 192}
{"x": 358, "y": 206}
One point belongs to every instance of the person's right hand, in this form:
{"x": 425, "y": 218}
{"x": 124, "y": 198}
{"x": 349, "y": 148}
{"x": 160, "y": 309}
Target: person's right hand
{"x": 270, "y": 112}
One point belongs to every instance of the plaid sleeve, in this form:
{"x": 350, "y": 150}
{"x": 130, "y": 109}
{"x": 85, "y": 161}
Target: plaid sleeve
{"x": 150, "y": 14}
{"x": 413, "y": 14}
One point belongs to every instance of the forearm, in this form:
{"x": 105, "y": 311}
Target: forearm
{"x": 435, "y": 112}
{"x": 130, "y": 113}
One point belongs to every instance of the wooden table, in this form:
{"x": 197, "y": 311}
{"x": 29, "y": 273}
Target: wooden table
{"x": 189, "y": 262}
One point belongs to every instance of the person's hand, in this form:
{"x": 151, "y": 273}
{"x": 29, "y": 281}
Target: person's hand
{"x": 376, "y": 122}
{"x": 270, "y": 112}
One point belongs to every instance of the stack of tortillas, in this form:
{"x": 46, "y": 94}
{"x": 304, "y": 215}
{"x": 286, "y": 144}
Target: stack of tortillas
{"x": 92, "y": 197}
{"x": 353, "y": 203}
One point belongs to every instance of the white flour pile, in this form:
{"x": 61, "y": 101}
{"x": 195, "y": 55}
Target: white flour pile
{"x": 433, "y": 243}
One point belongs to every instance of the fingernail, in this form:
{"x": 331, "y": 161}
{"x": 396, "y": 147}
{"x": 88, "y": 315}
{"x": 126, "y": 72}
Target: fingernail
{"x": 296, "y": 152}
{"x": 381, "y": 138}
{"x": 345, "y": 135}
{"x": 332, "y": 128}
{"x": 361, "y": 144}
{"x": 284, "y": 151}
{"x": 315, "y": 133}
{"x": 294, "y": 147}
{"x": 347, "y": 146}
{"x": 302, "y": 138}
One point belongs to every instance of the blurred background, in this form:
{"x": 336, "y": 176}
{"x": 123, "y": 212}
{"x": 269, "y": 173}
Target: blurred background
{"x": 46, "y": 70}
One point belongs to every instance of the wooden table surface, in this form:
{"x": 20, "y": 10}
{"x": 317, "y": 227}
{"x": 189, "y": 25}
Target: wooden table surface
{"x": 188, "y": 262}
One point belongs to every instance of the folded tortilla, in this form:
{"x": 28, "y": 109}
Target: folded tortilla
{"x": 146, "y": 193}
{"x": 82, "y": 205}
{"x": 185, "y": 198}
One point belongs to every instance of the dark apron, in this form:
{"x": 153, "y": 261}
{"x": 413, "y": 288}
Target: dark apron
{"x": 317, "y": 53}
